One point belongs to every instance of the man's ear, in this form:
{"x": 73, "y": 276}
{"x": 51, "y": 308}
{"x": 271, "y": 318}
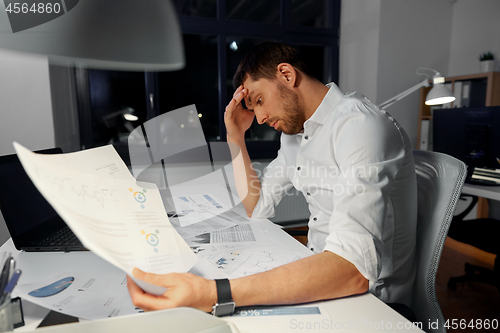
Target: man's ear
{"x": 287, "y": 74}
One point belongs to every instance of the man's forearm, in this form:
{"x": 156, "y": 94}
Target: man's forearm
{"x": 247, "y": 182}
{"x": 321, "y": 276}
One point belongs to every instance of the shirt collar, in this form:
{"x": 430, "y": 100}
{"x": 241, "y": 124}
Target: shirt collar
{"x": 331, "y": 99}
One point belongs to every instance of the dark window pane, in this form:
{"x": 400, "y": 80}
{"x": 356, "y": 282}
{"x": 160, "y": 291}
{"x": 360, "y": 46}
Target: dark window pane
{"x": 196, "y": 84}
{"x": 112, "y": 95}
{"x": 202, "y": 8}
{"x": 263, "y": 11}
{"x": 314, "y": 58}
{"x": 312, "y": 13}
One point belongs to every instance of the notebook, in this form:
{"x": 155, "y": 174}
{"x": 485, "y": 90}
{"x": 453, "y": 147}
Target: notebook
{"x": 32, "y": 222}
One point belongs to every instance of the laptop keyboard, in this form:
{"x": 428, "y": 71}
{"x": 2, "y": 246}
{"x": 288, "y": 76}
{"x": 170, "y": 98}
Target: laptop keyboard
{"x": 63, "y": 237}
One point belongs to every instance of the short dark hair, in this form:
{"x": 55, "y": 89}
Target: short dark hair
{"x": 262, "y": 62}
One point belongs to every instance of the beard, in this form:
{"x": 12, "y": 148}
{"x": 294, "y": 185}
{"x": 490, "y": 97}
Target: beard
{"x": 293, "y": 112}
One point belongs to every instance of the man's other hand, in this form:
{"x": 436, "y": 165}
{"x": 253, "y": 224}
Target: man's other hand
{"x": 183, "y": 289}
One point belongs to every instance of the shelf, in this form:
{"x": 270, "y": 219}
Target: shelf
{"x": 492, "y": 98}
{"x": 470, "y": 77}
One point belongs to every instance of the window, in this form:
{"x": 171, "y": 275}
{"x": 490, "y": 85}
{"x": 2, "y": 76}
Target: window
{"x": 311, "y": 26}
{"x": 217, "y": 33}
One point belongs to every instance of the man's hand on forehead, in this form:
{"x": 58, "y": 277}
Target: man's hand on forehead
{"x": 236, "y": 118}
{"x": 240, "y": 93}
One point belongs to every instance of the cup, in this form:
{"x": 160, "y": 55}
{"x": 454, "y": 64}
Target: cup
{"x": 6, "y": 323}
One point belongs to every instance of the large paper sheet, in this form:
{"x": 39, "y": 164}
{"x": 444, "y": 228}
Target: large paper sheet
{"x": 119, "y": 219}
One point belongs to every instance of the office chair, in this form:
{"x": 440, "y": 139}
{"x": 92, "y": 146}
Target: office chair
{"x": 439, "y": 180}
{"x": 483, "y": 234}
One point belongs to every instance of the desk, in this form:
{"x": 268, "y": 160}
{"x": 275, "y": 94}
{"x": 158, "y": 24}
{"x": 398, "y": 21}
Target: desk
{"x": 488, "y": 192}
{"x": 363, "y": 313}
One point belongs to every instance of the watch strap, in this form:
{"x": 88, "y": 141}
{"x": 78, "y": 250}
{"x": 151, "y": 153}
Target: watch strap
{"x": 223, "y": 291}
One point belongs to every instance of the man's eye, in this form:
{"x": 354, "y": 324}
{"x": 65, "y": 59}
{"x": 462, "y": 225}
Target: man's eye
{"x": 259, "y": 102}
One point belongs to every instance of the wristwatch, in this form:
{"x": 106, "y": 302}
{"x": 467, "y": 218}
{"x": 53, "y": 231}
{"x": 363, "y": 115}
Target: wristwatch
{"x": 225, "y": 305}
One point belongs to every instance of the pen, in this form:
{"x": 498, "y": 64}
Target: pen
{"x": 12, "y": 267}
{"x": 4, "y": 278}
{"x": 10, "y": 286}
{"x": 12, "y": 283}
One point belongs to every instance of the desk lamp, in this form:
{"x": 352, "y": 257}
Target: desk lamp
{"x": 103, "y": 34}
{"x": 439, "y": 94}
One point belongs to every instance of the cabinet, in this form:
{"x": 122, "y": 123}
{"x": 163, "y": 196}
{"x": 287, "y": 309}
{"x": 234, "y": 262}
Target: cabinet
{"x": 487, "y": 94}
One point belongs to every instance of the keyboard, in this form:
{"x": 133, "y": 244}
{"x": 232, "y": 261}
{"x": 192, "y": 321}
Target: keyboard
{"x": 63, "y": 237}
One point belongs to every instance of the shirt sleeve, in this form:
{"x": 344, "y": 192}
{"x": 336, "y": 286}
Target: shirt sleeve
{"x": 369, "y": 150}
{"x": 274, "y": 183}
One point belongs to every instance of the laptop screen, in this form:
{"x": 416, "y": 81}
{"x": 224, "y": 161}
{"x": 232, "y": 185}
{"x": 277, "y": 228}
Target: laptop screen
{"x": 22, "y": 205}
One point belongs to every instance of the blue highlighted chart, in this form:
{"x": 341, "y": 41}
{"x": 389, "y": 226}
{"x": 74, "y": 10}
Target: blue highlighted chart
{"x": 53, "y": 288}
{"x": 139, "y": 196}
{"x": 152, "y": 238}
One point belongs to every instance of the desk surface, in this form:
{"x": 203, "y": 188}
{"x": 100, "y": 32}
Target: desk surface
{"x": 488, "y": 192}
{"x": 361, "y": 313}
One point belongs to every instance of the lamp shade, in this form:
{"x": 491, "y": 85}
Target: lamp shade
{"x": 439, "y": 94}
{"x": 104, "y": 34}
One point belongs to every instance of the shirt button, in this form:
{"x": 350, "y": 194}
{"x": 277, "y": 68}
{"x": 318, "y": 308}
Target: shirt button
{"x": 308, "y": 193}
{"x": 306, "y": 137}
{"x": 298, "y": 168}
{"x": 312, "y": 249}
{"x": 315, "y": 219}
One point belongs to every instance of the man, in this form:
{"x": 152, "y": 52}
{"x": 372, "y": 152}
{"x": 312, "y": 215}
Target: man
{"x": 354, "y": 165}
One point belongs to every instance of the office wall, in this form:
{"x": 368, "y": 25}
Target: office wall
{"x": 475, "y": 30}
{"x": 25, "y": 106}
{"x": 408, "y": 34}
{"x": 413, "y": 34}
{"x": 359, "y": 41}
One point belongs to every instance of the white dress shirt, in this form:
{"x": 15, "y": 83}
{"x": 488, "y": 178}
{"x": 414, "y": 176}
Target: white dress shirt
{"x": 354, "y": 165}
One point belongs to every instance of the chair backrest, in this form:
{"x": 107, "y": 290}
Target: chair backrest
{"x": 439, "y": 180}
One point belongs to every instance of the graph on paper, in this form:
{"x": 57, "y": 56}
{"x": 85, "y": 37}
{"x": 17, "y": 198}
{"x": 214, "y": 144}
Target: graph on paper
{"x": 247, "y": 261}
{"x": 64, "y": 187}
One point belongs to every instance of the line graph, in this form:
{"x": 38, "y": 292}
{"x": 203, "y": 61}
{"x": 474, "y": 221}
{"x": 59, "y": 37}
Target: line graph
{"x": 248, "y": 261}
{"x": 69, "y": 187}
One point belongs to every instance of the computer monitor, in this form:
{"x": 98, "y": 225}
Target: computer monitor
{"x": 469, "y": 134}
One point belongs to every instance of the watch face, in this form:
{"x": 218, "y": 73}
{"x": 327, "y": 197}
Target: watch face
{"x": 224, "y": 309}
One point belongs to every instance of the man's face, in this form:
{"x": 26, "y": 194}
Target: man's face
{"x": 275, "y": 104}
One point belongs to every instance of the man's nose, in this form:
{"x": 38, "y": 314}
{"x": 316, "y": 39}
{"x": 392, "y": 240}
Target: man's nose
{"x": 261, "y": 116}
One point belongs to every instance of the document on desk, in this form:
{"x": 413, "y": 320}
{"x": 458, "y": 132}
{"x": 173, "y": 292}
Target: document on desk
{"x": 119, "y": 219}
{"x": 197, "y": 208}
{"x": 194, "y": 204}
{"x": 81, "y": 294}
{"x": 242, "y": 233}
{"x": 243, "y": 260}
{"x": 200, "y": 228}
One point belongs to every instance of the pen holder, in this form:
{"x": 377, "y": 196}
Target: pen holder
{"x": 6, "y": 323}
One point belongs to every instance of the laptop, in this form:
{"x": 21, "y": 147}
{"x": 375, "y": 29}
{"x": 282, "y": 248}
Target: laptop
{"x": 32, "y": 222}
